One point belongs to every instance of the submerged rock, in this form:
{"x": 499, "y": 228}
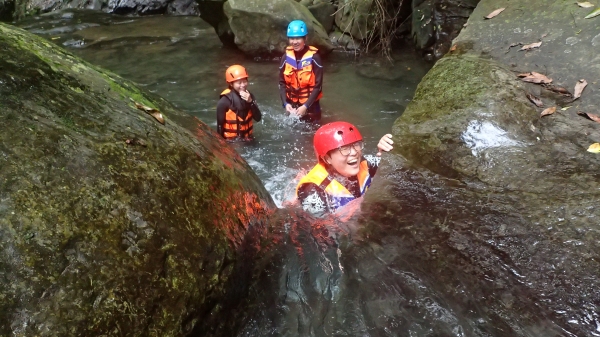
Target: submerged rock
{"x": 110, "y": 222}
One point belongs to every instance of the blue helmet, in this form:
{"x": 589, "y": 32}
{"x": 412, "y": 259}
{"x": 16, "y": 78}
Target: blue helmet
{"x": 297, "y": 28}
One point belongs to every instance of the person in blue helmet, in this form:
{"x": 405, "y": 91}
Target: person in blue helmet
{"x": 301, "y": 75}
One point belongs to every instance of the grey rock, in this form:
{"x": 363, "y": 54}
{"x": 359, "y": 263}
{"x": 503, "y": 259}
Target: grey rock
{"x": 435, "y": 23}
{"x": 260, "y": 26}
{"x": 478, "y": 166}
{"x": 323, "y": 12}
{"x": 353, "y": 17}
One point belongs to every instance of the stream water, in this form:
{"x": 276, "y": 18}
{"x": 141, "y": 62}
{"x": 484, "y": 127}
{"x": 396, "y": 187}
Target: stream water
{"x": 182, "y": 60}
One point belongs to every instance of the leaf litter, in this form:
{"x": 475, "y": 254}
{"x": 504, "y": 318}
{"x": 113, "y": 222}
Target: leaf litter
{"x": 534, "y": 77}
{"x": 535, "y": 100}
{"x": 594, "y": 148}
{"x": 594, "y": 13}
{"x": 548, "y": 111}
{"x": 531, "y": 46}
{"x": 150, "y": 111}
{"x": 494, "y": 13}
{"x": 588, "y": 115}
{"x": 581, "y": 84}
{"x": 557, "y": 89}
{"x": 586, "y": 4}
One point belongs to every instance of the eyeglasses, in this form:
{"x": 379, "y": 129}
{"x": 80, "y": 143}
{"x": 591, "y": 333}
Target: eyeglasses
{"x": 346, "y": 149}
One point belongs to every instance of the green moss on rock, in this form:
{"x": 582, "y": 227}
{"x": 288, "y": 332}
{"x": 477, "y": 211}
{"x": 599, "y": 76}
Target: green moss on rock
{"x": 98, "y": 237}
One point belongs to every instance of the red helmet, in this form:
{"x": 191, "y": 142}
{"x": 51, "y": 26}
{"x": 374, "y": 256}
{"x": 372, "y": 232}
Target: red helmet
{"x": 235, "y": 72}
{"x": 333, "y": 135}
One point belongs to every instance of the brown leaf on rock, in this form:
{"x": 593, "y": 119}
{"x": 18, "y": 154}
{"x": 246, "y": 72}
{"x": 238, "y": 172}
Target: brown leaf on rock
{"x": 534, "y": 77}
{"x": 579, "y": 88}
{"x": 535, "y": 100}
{"x": 586, "y": 4}
{"x": 531, "y": 46}
{"x": 558, "y": 90}
{"x": 548, "y": 111}
{"x": 494, "y": 13}
{"x": 453, "y": 48}
{"x": 513, "y": 45}
{"x": 588, "y": 115}
{"x": 151, "y": 111}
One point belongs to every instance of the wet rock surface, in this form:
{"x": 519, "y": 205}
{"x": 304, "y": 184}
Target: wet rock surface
{"x": 493, "y": 203}
{"x": 435, "y": 23}
{"x": 260, "y": 26}
{"x": 481, "y": 222}
{"x": 110, "y": 222}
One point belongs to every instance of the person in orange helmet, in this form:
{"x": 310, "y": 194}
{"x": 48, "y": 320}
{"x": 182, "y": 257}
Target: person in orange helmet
{"x": 237, "y": 107}
{"x": 342, "y": 173}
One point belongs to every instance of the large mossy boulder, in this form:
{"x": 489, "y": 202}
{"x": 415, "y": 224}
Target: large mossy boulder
{"x": 110, "y": 222}
{"x": 493, "y": 204}
{"x": 260, "y": 26}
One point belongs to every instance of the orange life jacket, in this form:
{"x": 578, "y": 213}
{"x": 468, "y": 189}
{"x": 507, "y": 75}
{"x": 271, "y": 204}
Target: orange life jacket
{"x": 234, "y": 125}
{"x": 338, "y": 195}
{"x": 299, "y": 77}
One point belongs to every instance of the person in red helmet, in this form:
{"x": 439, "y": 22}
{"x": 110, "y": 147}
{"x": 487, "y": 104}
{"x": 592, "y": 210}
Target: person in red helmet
{"x": 342, "y": 173}
{"x": 237, "y": 107}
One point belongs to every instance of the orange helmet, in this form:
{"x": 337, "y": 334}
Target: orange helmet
{"x": 235, "y": 72}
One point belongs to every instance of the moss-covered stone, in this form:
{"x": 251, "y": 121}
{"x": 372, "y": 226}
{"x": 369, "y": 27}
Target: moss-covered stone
{"x": 491, "y": 203}
{"x": 98, "y": 236}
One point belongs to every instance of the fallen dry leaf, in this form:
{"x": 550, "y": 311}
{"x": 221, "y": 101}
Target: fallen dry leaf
{"x": 586, "y": 4}
{"x": 494, "y": 13}
{"x": 565, "y": 108}
{"x": 594, "y": 13}
{"x": 579, "y": 88}
{"x": 513, "y": 45}
{"x": 531, "y": 46}
{"x": 453, "y": 48}
{"x": 588, "y": 115}
{"x": 548, "y": 111}
{"x": 534, "y": 100}
{"x": 558, "y": 90}
{"x": 534, "y": 77}
{"x": 151, "y": 111}
{"x": 594, "y": 148}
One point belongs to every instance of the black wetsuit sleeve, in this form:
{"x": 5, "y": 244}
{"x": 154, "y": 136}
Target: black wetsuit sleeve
{"x": 256, "y": 114}
{"x": 222, "y": 107}
{"x": 372, "y": 163}
{"x": 282, "y": 81}
{"x": 318, "y": 71}
{"x": 313, "y": 199}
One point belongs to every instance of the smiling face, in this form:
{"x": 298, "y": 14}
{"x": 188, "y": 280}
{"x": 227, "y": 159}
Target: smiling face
{"x": 297, "y": 42}
{"x": 346, "y": 166}
{"x": 239, "y": 85}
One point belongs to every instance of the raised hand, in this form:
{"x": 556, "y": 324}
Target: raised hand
{"x": 385, "y": 144}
